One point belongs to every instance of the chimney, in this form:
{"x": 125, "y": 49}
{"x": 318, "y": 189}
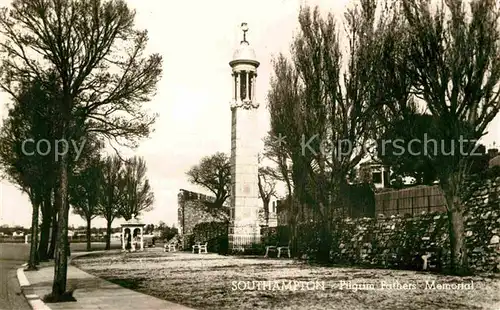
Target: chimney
{"x": 492, "y": 153}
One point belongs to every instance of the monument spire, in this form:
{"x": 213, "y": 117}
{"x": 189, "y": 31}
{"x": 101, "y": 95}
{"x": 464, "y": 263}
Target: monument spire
{"x": 244, "y": 28}
{"x": 244, "y": 229}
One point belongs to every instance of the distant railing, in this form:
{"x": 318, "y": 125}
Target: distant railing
{"x": 11, "y": 239}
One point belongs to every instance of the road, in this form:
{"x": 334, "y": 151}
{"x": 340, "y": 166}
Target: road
{"x": 12, "y": 256}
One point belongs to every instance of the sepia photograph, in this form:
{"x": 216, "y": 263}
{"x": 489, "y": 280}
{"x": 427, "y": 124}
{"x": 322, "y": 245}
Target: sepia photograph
{"x": 265, "y": 154}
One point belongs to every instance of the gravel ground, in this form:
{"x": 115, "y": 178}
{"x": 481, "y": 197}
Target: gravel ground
{"x": 220, "y": 282}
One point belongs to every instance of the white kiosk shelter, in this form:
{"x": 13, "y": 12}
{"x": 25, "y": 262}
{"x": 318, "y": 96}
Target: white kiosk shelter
{"x": 133, "y": 235}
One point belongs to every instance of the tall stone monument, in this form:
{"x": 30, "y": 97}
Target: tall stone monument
{"x": 244, "y": 228}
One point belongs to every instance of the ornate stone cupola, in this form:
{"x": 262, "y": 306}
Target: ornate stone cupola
{"x": 244, "y": 65}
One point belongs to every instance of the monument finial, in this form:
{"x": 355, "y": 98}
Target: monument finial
{"x": 244, "y": 28}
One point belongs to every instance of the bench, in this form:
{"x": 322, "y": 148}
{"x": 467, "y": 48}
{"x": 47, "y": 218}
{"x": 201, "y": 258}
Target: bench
{"x": 278, "y": 248}
{"x": 202, "y": 248}
{"x": 170, "y": 247}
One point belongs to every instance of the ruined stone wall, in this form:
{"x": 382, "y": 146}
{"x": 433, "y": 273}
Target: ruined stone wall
{"x": 191, "y": 212}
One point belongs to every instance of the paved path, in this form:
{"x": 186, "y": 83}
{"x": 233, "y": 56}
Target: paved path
{"x": 94, "y": 293}
{"x": 10, "y": 292}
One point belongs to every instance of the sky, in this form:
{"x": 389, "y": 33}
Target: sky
{"x": 196, "y": 39}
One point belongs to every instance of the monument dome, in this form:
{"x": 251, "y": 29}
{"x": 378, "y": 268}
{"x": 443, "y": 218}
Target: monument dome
{"x": 244, "y": 53}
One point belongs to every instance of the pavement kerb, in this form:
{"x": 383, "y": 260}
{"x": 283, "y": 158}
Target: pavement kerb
{"x": 34, "y": 300}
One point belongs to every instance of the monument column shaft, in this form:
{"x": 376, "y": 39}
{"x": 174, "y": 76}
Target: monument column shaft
{"x": 244, "y": 172}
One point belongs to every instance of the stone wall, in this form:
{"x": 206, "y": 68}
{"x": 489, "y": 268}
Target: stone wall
{"x": 399, "y": 241}
{"x": 191, "y": 212}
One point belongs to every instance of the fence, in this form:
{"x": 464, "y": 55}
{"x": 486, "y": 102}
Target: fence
{"x": 73, "y": 239}
{"x": 412, "y": 201}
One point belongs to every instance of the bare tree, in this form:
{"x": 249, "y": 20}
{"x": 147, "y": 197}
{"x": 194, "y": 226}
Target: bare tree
{"x": 85, "y": 193}
{"x": 109, "y": 207}
{"x": 214, "y": 174}
{"x": 267, "y": 187}
{"x": 103, "y": 73}
{"x": 324, "y": 110}
{"x": 450, "y": 54}
{"x": 136, "y": 194}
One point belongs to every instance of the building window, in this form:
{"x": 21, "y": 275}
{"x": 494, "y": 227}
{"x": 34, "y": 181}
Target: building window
{"x": 274, "y": 206}
{"x": 377, "y": 177}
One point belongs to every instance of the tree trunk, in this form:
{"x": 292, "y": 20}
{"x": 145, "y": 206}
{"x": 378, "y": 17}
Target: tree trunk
{"x": 455, "y": 208}
{"x": 33, "y": 261}
{"x": 325, "y": 241}
{"x": 108, "y": 234}
{"x": 45, "y": 229}
{"x": 266, "y": 210}
{"x": 55, "y": 212}
{"x": 458, "y": 259}
{"x": 89, "y": 227}
{"x": 61, "y": 255}
{"x": 53, "y": 236}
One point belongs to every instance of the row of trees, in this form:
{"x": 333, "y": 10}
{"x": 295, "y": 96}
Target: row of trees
{"x": 111, "y": 188}
{"x": 402, "y": 59}
{"x": 77, "y": 72}
{"x": 108, "y": 187}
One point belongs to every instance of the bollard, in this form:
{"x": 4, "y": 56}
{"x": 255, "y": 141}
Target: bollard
{"x": 425, "y": 258}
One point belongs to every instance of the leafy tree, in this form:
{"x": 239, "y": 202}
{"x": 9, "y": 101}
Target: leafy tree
{"x": 28, "y": 121}
{"x": 450, "y": 55}
{"x": 167, "y": 232}
{"x": 136, "y": 194}
{"x": 103, "y": 73}
{"x": 214, "y": 174}
{"x": 412, "y": 145}
{"x": 149, "y": 229}
{"x": 109, "y": 207}
{"x": 394, "y": 148}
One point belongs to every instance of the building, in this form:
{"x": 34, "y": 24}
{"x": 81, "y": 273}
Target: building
{"x": 494, "y": 158}
{"x": 374, "y": 172}
{"x": 273, "y": 213}
{"x": 17, "y": 234}
{"x": 273, "y": 217}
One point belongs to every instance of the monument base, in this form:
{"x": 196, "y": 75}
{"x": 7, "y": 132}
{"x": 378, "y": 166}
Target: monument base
{"x": 243, "y": 237}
